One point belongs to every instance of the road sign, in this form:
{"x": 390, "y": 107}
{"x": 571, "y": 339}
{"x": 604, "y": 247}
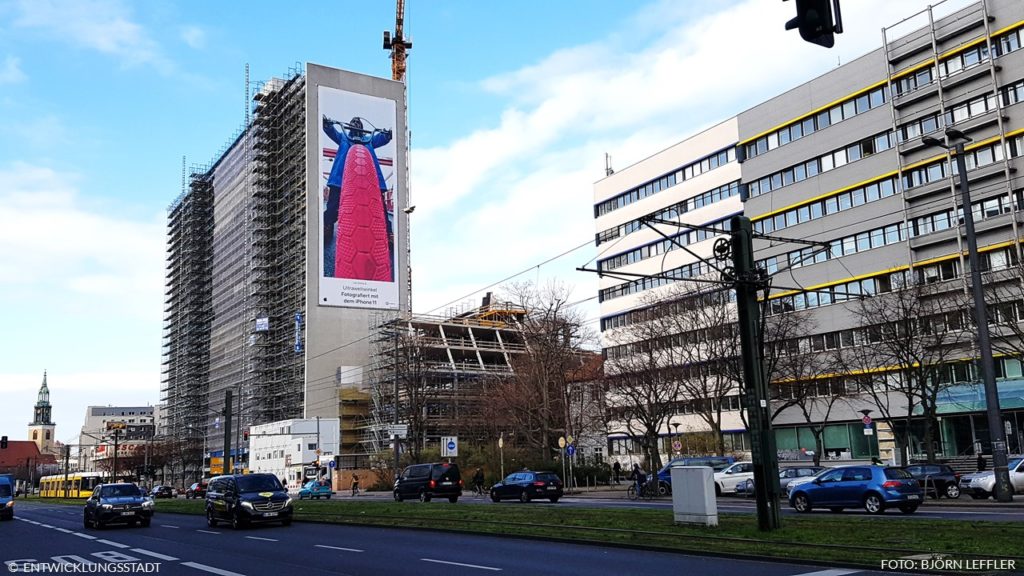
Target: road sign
{"x": 400, "y": 430}
{"x": 677, "y": 445}
{"x": 317, "y": 451}
{"x": 449, "y": 446}
{"x": 501, "y": 442}
{"x": 866, "y": 420}
{"x": 869, "y": 431}
{"x": 561, "y": 441}
{"x": 570, "y": 449}
{"x": 331, "y": 464}
{"x": 568, "y": 439}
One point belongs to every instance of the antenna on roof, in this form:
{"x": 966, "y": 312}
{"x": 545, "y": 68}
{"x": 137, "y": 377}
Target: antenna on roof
{"x": 608, "y": 170}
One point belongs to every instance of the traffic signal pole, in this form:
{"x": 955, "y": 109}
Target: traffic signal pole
{"x": 227, "y": 431}
{"x": 762, "y": 439}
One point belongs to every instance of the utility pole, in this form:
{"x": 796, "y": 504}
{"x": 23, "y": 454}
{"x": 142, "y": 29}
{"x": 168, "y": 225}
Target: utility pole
{"x": 762, "y": 439}
{"x": 116, "y": 437}
{"x": 227, "y": 431}
{"x": 319, "y": 452}
{"x": 1003, "y": 491}
{"x": 67, "y": 457}
{"x": 238, "y": 445}
{"x": 394, "y": 419}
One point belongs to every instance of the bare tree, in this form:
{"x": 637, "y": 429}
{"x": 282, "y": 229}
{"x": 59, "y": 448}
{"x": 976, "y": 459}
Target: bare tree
{"x": 910, "y": 335}
{"x": 1004, "y": 295}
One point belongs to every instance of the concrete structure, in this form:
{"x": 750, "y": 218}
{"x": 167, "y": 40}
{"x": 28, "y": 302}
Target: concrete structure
{"x": 288, "y": 449}
{"x": 253, "y": 302}
{"x": 840, "y": 160}
{"x": 42, "y": 429}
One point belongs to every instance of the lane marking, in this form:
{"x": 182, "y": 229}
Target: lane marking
{"x": 461, "y": 564}
{"x": 207, "y": 532}
{"x": 210, "y": 569}
{"x": 834, "y": 572}
{"x": 154, "y": 554}
{"x": 168, "y": 526}
{"x": 86, "y": 536}
{"x": 114, "y": 544}
{"x": 44, "y": 525}
{"x": 64, "y": 530}
{"x": 258, "y": 538}
{"x": 338, "y": 548}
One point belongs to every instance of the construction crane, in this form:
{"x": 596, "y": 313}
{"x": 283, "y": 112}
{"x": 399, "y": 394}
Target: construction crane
{"x": 398, "y": 45}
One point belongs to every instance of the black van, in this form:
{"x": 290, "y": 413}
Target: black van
{"x": 426, "y": 481}
{"x": 244, "y": 498}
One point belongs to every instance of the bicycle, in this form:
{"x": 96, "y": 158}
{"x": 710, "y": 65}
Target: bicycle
{"x": 649, "y": 491}
{"x": 479, "y": 491}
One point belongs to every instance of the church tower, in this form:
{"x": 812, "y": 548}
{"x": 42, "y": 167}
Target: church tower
{"x": 41, "y": 429}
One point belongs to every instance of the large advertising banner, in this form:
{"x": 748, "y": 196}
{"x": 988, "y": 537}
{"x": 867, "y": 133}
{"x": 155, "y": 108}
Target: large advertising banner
{"x": 359, "y": 233}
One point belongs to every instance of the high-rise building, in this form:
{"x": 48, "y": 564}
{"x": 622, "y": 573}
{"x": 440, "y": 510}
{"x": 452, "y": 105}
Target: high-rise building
{"x": 281, "y": 250}
{"x": 843, "y": 161}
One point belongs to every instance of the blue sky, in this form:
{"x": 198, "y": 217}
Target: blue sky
{"x": 512, "y": 107}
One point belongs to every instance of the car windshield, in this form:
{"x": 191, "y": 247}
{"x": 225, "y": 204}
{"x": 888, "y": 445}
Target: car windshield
{"x": 1014, "y": 463}
{"x": 123, "y": 491}
{"x": 5, "y": 490}
{"x": 258, "y": 484}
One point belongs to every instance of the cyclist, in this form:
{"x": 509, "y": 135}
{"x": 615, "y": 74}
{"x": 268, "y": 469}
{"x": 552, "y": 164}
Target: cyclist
{"x": 639, "y": 478}
{"x": 478, "y": 482}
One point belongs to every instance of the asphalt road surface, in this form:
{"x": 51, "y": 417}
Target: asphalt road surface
{"x": 183, "y": 544}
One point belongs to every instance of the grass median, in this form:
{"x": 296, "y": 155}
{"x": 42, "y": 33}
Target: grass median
{"x": 834, "y": 537}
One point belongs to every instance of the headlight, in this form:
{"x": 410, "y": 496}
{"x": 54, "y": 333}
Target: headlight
{"x": 247, "y": 505}
{"x": 106, "y": 506}
{"x": 147, "y": 504}
{"x": 10, "y": 504}
{"x": 288, "y": 502}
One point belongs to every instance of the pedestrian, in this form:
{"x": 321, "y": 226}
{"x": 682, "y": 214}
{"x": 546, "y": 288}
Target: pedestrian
{"x": 617, "y": 469}
{"x": 355, "y": 484}
{"x": 981, "y": 462}
{"x": 639, "y": 478}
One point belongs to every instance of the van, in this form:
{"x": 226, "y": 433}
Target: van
{"x": 6, "y": 497}
{"x": 242, "y": 499}
{"x": 426, "y": 481}
{"x": 716, "y": 463}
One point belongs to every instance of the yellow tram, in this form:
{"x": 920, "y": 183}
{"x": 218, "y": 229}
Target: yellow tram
{"x": 79, "y": 485}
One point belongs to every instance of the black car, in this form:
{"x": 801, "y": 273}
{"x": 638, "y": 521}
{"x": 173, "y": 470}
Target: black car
{"x": 938, "y": 480}
{"x": 196, "y": 490}
{"x": 162, "y": 492}
{"x": 427, "y": 481}
{"x": 244, "y": 498}
{"x": 117, "y": 504}
{"x": 527, "y": 485}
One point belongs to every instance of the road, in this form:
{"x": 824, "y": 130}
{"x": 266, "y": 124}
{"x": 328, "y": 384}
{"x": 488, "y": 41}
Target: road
{"x": 183, "y": 544}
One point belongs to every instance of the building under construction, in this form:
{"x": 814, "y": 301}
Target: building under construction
{"x": 248, "y": 308}
{"x": 439, "y": 367}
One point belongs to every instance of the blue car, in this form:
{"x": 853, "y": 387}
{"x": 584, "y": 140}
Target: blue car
{"x": 875, "y": 488}
{"x": 316, "y": 489}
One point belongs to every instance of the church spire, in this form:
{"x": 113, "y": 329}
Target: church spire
{"x": 44, "y": 393}
{"x": 41, "y": 414}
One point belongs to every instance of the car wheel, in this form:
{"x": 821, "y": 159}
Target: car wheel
{"x": 494, "y": 497}
{"x": 908, "y": 508}
{"x": 873, "y": 504}
{"x": 836, "y": 509}
{"x": 554, "y": 499}
{"x": 302, "y": 496}
{"x": 237, "y": 522}
{"x": 85, "y": 522}
{"x": 146, "y": 522}
{"x": 99, "y": 524}
{"x": 801, "y": 503}
{"x": 952, "y": 490}
{"x": 718, "y": 491}
{"x": 398, "y": 497}
{"x": 524, "y": 497}
{"x": 663, "y": 489}
{"x": 453, "y": 499}
{"x": 424, "y": 497}
{"x": 210, "y": 520}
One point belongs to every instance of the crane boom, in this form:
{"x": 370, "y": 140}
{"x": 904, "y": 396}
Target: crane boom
{"x": 398, "y": 45}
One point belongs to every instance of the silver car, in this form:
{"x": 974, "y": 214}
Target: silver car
{"x": 980, "y": 485}
{"x": 786, "y": 476}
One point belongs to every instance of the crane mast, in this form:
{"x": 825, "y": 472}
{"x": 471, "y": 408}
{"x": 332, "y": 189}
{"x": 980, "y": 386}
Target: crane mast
{"x": 397, "y": 44}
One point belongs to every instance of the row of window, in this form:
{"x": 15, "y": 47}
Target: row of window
{"x": 676, "y": 210}
{"x": 963, "y": 60}
{"x": 662, "y": 246}
{"x": 838, "y": 248}
{"x": 693, "y": 270}
{"x": 831, "y": 205}
{"x": 952, "y": 218}
{"x": 823, "y": 163}
{"x": 940, "y": 169}
{"x": 690, "y": 302}
{"x": 957, "y": 113}
{"x": 912, "y": 82}
{"x": 796, "y": 130}
{"x": 838, "y": 293}
{"x": 696, "y": 168}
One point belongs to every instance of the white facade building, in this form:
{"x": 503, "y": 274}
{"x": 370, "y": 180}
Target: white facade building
{"x": 285, "y": 447}
{"x": 139, "y": 425}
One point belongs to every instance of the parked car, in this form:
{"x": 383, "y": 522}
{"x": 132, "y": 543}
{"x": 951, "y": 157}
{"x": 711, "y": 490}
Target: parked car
{"x": 316, "y": 489}
{"x": 981, "y": 485}
{"x": 197, "y": 490}
{"x": 117, "y": 504}
{"x": 716, "y": 463}
{"x": 938, "y": 480}
{"x": 528, "y": 485}
{"x": 801, "y": 480}
{"x": 786, "y": 475}
{"x": 875, "y": 488}
{"x": 428, "y": 481}
{"x": 730, "y": 477}
{"x": 6, "y": 497}
{"x": 242, "y": 499}
{"x": 162, "y": 492}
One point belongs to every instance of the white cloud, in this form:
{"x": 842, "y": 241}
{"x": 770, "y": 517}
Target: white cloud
{"x": 102, "y": 25}
{"x": 57, "y": 249}
{"x": 193, "y": 36}
{"x": 10, "y": 71}
{"x": 511, "y": 195}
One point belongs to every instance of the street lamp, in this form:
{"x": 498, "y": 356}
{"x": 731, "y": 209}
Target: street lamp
{"x": 676, "y": 438}
{"x": 1003, "y": 490}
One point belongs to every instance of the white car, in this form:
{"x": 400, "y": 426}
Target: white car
{"x": 981, "y": 485}
{"x": 727, "y": 480}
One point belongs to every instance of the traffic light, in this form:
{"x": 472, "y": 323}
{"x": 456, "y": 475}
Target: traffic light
{"x": 815, "y": 23}
{"x": 245, "y": 435}
{"x": 3, "y": 442}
